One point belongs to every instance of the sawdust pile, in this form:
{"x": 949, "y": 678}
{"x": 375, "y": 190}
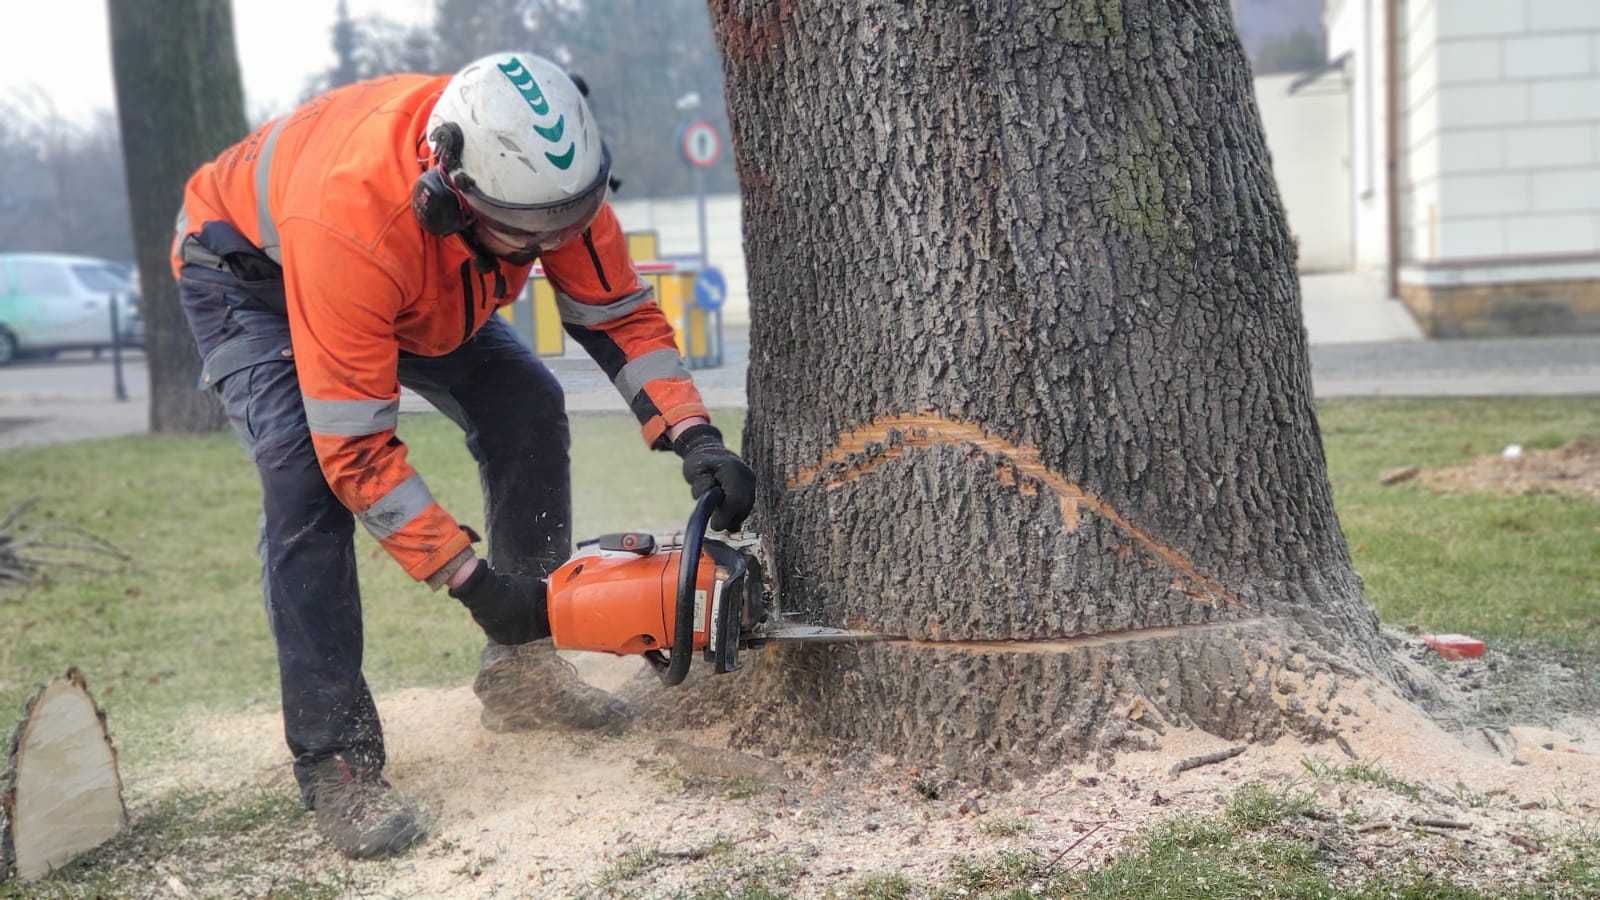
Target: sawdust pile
{"x": 562, "y": 814}
{"x": 1571, "y": 470}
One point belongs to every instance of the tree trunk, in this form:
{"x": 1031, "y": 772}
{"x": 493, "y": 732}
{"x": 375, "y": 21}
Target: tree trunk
{"x": 1028, "y": 384}
{"x": 180, "y": 103}
{"x": 60, "y": 794}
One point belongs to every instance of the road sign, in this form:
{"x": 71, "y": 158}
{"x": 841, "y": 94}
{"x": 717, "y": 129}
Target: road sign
{"x": 710, "y": 289}
{"x": 702, "y": 145}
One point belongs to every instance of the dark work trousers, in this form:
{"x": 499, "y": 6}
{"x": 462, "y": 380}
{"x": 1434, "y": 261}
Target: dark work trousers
{"x": 506, "y": 401}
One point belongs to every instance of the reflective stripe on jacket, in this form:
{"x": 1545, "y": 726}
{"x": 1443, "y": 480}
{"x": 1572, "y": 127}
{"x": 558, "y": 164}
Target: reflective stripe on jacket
{"x": 325, "y": 191}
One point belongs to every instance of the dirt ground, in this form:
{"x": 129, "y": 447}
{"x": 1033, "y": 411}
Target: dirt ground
{"x": 1572, "y": 469}
{"x": 651, "y": 814}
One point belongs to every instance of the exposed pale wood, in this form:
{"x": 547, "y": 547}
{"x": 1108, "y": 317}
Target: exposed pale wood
{"x": 60, "y": 792}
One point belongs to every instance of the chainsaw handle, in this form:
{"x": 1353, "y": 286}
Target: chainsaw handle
{"x": 688, "y": 567}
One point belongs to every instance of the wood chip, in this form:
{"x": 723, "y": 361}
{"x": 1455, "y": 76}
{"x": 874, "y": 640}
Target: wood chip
{"x": 1527, "y": 844}
{"x": 1401, "y": 474}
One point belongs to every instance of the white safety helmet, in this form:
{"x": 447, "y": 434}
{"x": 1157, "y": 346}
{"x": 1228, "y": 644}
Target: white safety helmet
{"x": 514, "y": 140}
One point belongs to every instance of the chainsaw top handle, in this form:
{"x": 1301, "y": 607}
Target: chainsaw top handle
{"x": 688, "y": 567}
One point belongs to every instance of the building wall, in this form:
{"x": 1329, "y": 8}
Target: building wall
{"x": 1307, "y": 123}
{"x": 1356, "y": 35}
{"x": 1418, "y": 122}
{"x": 1498, "y": 170}
{"x": 1504, "y": 120}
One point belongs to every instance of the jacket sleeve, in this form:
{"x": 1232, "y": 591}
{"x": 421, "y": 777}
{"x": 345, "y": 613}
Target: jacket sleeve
{"x": 607, "y": 309}
{"x": 342, "y": 307}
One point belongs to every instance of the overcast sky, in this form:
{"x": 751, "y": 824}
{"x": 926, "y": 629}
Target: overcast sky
{"x": 63, "y": 47}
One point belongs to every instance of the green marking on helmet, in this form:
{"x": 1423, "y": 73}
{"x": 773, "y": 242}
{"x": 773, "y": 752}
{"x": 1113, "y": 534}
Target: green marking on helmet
{"x": 564, "y": 160}
{"x": 522, "y": 80}
{"x": 553, "y": 133}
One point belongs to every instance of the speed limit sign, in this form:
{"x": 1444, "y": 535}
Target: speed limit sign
{"x": 701, "y": 144}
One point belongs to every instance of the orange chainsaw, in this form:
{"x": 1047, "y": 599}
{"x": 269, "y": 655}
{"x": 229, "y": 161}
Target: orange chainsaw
{"x": 630, "y": 594}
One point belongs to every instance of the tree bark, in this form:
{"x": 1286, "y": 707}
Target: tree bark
{"x": 180, "y": 103}
{"x": 1029, "y": 388}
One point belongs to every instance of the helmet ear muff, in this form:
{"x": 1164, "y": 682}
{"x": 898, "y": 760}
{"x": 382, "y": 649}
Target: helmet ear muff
{"x": 434, "y": 202}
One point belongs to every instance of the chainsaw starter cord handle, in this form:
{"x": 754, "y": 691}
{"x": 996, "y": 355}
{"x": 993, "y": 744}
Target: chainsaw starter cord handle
{"x": 688, "y": 566}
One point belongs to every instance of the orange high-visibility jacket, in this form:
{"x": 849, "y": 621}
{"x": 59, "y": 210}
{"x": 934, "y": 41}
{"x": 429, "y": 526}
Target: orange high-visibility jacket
{"x": 326, "y": 191}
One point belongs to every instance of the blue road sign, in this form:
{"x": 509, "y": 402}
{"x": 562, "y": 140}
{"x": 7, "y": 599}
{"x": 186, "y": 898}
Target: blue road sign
{"x": 710, "y": 289}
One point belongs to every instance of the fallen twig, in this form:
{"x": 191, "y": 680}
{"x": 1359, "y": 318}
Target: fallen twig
{"x": 1421, "y": 822}
{"x": 1206, "y": 759}
{"x": 698, "y": 853}
{"x": 1071, "y": 847}
{"x": 26, "y": 552}
{"x": 1375, "y": 826}
{"x": 17, "y": 512}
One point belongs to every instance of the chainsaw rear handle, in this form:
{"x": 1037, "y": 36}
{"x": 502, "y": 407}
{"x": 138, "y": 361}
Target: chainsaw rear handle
{"x": 677, "y": 667}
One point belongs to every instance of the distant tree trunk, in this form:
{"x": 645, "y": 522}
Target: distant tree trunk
{"x": 179, "y": 102}
{"x": 1028, "y": 384}
{"x": 344, "y": 48}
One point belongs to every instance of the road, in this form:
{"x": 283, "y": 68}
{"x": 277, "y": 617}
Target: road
{"x": 71, "y": 398}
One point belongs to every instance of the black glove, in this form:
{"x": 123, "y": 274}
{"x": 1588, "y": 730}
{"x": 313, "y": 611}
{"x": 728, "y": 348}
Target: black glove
{"x": 708, "y": 464}
{"x": 509, "y": 608}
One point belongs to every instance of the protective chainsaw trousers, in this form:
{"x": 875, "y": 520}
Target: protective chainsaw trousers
{"x": 493, "y": 387}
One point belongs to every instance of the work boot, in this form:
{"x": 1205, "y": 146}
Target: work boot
{"x": 528, "y": 686}
{"x": 360, "y": 813}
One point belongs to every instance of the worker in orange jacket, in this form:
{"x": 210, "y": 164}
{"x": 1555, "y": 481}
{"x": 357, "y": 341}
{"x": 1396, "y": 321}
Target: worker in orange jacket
{"x": 362, "y": 242}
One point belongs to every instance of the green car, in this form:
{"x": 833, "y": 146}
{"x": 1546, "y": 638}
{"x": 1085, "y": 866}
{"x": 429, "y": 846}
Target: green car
{"x": 51, "y": 302}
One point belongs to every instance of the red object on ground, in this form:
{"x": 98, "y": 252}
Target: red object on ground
{"x": 1454, "y": 646}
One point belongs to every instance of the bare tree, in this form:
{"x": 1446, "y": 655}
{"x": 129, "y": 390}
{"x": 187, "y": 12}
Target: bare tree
{"x": 1029, "y": 388}
{"x": 372, "y": 46}
{"x": 65, "y": 190}
{"x": 179, "y": 102}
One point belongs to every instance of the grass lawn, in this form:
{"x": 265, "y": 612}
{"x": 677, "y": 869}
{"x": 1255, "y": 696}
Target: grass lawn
{"x": 183, "y": 633}
{"x": 1499, "y": 567}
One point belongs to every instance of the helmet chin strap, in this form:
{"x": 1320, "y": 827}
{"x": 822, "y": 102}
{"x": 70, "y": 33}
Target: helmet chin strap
{"x": 484, "y": 261}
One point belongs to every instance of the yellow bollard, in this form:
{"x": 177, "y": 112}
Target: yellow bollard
{"x": 672, "y": 293}
{"x": 548, "y": 337}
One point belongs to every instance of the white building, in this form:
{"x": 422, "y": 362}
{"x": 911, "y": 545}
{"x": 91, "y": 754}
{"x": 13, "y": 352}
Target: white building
{"x": 1475, "y": 173}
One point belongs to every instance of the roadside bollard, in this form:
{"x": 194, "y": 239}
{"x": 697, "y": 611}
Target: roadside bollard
{"x": 119, "y": 387}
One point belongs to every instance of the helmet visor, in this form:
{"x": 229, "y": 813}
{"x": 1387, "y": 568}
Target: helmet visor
{"x": 543, "y": 226}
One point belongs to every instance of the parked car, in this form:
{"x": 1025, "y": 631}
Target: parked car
{"x": 51, "y": 302}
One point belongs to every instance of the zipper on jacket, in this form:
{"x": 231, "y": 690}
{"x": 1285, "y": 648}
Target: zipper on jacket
{"x": 466, "y": 300}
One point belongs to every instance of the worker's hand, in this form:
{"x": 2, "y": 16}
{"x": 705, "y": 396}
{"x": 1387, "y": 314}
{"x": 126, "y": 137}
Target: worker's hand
{"x": 708, "y": 464}
{"x": 509, "y": 608}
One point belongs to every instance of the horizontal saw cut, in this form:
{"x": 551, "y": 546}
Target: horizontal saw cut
{"x": 60, "y": 793}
